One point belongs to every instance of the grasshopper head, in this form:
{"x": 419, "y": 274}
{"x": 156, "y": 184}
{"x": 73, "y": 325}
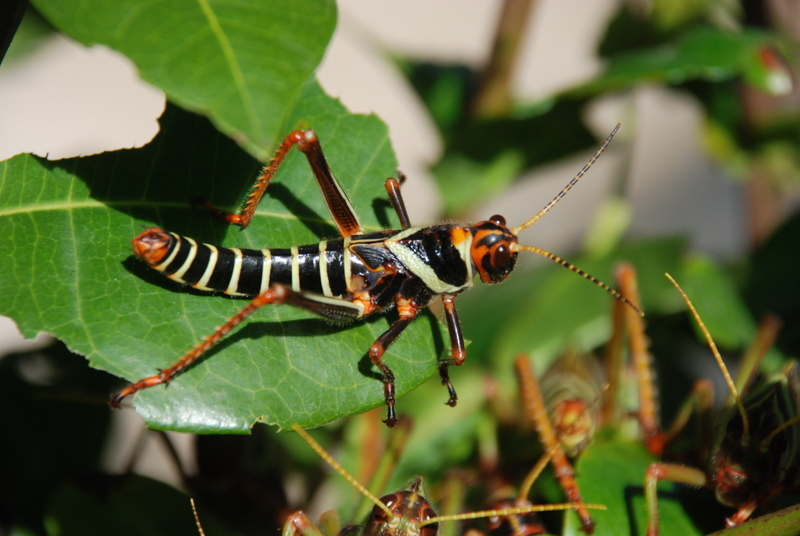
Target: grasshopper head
{"x": 493, "y": 249}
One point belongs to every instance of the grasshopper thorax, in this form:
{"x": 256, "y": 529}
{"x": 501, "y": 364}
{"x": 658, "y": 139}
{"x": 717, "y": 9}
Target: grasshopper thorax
{"x": 493, "y": 249}
{"x": 409, "y": 508}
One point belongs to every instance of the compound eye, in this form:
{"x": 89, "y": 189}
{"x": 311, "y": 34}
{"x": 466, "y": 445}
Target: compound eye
{"x": 497, "y": 219}
{"x": 379, "y": 516}
{"x": 501, "y": 255}
{"x": 433, "y": 528}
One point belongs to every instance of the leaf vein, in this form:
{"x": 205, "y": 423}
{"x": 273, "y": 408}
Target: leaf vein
{"x": 233, "y": 64}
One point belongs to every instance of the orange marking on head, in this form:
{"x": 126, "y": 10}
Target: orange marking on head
{"x": 459, "y": 235}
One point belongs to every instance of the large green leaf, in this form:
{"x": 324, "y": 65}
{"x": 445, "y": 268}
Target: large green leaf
{"x": 240, "y": 63}
{"x": 65, "y": 229}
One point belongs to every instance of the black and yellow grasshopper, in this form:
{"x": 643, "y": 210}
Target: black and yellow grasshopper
{"x": 350, "y": 277}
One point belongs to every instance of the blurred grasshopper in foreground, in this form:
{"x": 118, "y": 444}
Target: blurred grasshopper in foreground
{"x": 572, "y": 403}
{"x": 403, "y": 513}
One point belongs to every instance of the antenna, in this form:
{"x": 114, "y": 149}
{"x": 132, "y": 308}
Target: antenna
{"x": 568, "y": 187}
{"x": 718, "y": 357}
{"x": 341, "y": 470}
{"x": 558, "y": 260}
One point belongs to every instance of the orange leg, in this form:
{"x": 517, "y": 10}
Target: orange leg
{"x": 393, "y": 190}
{"x": 407, "y": 312}
{"x": 642, "y": 362}
{"x": 458, "y": 348}
{"x": 536, "y": 411}
{"x": 613, "y": 365}
{"x": 276, "y": 294}
{"x": 742, "y": 514}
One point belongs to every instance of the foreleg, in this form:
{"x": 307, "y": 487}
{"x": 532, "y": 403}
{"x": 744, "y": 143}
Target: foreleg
{"x": 535, "y": 411}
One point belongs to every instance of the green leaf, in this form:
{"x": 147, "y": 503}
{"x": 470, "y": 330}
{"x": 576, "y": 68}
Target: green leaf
{"x": 781, "y": 523}
{"x": 612, "y": 473}
{"x": 703, "y": 53}
{"x": 65, "y": 229}
{"x": 67, "y": 225}
{"x": 240, "y": 63}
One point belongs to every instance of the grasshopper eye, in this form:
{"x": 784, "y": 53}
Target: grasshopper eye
{"x": 499, "y": 262}
{"x": 497, "y": 219}
{"x": 501, "y": 255}
{"x": 379, "y": 516}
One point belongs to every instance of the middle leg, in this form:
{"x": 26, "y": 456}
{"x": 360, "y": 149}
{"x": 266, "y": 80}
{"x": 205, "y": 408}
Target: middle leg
{"x": 458, "y": 348}
{"x": 407, "y": 312}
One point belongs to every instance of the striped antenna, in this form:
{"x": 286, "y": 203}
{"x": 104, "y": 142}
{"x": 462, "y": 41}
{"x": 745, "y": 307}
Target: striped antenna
{"x": 568, "y": 187}
{"x": 512, "y": 511}
{"x": 341, "y": 470}
{"x": 558, "y": 260}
